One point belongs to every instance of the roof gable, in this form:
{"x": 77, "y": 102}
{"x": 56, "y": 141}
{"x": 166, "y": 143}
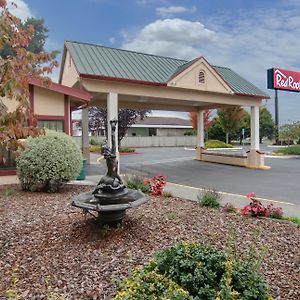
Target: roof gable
{"x": 105, "y": 63}
{"x": 188, "y": 77}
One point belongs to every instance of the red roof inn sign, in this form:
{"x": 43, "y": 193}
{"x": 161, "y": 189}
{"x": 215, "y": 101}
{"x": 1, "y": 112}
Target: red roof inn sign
{"x": 283, "y": 80}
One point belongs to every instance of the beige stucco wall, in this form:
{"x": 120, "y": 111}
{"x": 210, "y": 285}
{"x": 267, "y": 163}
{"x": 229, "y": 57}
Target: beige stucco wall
{"x": 165, "y": 97}
{"x": 69, "y": 75}
{"x": 190, "y": 79}
{"x": 11, "y": 104}
{"x": 9, "y": 179}
{"x": 227, "y": 160}
{"x": 47, "y": 102}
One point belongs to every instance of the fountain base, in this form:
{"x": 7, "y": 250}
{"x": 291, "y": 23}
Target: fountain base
{"x": 111, "y": 209}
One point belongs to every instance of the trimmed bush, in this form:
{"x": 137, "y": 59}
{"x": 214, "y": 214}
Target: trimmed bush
{"x": 209, "y": 198}
{"x": 199, "y": 270}
{"x": 48, "y": 162}
{"x": 126, "y": 150}
{"x": 217, "y": 144}
{"x": 290, "y": 150}
{"x": 95, "y": 148}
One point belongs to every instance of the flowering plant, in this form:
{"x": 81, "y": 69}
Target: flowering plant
{"x": 256, "y": 208}
{"x": 156, "y": 184}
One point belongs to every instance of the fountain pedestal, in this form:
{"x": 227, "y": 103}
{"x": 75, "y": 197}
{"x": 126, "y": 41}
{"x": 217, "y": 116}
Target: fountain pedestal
{"x": 110, "y": 198}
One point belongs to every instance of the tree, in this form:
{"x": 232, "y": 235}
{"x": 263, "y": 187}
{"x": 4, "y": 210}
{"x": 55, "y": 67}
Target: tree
{"x": 206, "y": 119}
{"x": 290, "y": 132}
{"x": 230, "y": 118}
{"x": 15, "y": 74}
{"x": 15, "y": 71}
{"x": 37, "y": 41}
{"x": 126, "y": 117}
{"x": 266, "y": 124}
{"x": 215, "y": 131}
{"x": 245, "y": 125}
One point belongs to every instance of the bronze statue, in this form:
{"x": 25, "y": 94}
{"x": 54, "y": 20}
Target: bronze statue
{"x": 112, "y": 181}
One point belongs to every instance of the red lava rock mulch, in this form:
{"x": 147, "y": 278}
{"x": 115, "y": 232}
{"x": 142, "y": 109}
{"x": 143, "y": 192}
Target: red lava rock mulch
{"x": 41, "y": 235}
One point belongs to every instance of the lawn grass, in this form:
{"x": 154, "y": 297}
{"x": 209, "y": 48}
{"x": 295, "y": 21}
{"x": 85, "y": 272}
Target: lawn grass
{"x": 290, "y": 150}
{"x": 294, "y": 220}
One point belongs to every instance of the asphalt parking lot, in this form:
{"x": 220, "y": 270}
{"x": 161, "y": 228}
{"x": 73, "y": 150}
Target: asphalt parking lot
{"x": 281, "y": 183}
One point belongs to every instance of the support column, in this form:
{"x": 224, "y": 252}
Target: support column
{"x": 112, "y": 113}
{"x": 85, "y": 134}
{"x": 255, "y": 158}
{"x": 255, "y": 127}
{"x": 200, "y": 134}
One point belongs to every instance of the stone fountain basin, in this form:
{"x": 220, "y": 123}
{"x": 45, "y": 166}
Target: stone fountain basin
{"x": 88, "y": 201}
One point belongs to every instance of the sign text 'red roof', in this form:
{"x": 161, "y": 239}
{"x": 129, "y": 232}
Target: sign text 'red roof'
{"x": 283, "y": 80}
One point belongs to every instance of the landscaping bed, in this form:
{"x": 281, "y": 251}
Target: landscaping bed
{"x": 41, "y": 235}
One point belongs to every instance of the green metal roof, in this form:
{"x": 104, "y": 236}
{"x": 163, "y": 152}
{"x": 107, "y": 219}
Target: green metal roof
{"x": 104, "y": 61}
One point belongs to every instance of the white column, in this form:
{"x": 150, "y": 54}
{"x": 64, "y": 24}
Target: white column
{"x": 112, "y": 113}
{"x": 200, "y": 129}
{"x": 255, "y": 127}
{"x": 85, "y": 134}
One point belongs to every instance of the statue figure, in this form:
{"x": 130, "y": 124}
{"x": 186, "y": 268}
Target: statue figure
{"x": 111, "y": 182}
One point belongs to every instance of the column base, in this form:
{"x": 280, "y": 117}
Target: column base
{"x": 199, "y": 151}
{"x": 256, "y": 160}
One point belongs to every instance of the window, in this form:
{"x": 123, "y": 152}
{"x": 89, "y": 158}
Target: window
{"x": 201, "y": 77}
{"x": 152, "y": 131}
{"x": 56, "y": 125}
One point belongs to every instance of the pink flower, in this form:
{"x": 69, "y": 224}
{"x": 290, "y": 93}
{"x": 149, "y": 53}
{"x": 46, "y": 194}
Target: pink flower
{"x": 251, "y": 195}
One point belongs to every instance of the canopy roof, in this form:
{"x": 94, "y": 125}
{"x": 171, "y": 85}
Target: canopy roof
{"x": 102, "y": 62}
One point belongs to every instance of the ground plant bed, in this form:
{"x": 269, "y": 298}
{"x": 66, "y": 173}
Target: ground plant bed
{"x": 49, "y": 247}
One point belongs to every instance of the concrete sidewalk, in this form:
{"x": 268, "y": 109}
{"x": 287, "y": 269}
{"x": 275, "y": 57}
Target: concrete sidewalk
{"x": 190, "y": 193}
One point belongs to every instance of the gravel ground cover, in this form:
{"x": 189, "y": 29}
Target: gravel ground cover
{"x": 42, "y": 236}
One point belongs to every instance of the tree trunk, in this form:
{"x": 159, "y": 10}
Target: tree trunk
{"x": 227, "y": 137}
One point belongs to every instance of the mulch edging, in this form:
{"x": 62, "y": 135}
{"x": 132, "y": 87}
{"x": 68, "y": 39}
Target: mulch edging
{"x": 42, "y": 234}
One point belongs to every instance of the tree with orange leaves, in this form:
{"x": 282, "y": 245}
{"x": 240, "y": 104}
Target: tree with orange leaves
{"x": 15, "y": 73}
{"x": 16, "y": 70}
{"x": 206, "y": 119}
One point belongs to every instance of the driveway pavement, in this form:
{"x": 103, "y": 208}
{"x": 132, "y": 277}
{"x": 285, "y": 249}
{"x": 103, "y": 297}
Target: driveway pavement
{"x": 281, "y": 183}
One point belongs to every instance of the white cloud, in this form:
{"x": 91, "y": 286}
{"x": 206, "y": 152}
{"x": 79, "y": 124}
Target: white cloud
{"x": 112, "y": 40}
{"x": 172, "y": 10}
{"x": 22, "y": 10}
{"x": 171, "y": 37}
{"x": 249, "y": 42}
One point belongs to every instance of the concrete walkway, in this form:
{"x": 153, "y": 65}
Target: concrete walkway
{"x": 190, "y": 193}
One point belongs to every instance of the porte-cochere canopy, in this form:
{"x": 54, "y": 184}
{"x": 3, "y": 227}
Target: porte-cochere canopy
{"x": 122, "y": 78}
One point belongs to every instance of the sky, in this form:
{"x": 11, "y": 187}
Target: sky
{"x": 245, "y": 35}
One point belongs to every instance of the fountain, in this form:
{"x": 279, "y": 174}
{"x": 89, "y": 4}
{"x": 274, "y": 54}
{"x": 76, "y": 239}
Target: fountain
{"x": 111, "y": 197}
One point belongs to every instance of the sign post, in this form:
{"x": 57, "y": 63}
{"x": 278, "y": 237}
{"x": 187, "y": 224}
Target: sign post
{"x": 276, "y": 116}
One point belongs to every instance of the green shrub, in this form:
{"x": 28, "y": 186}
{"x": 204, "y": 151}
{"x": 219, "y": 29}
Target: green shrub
{"x": 126, "y": 150}
{"x": 290, "y": 150}
{"x": 190, "y": 132}
{"x": 93, "y": 142}
{"x": 217, "y": 144}
{"x": 209, "y": 198}
{"x": 95, "y": 148}
{"x": 48, "y": 162}
{"x": 202, "y": 271}
{"x": 150, "y": 285}
{"x": 137, "y": 182}
{"x": 9, "y": 192}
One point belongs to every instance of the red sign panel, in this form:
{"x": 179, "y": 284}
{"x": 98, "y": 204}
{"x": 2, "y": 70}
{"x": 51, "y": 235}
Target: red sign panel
{"x": 286, "y": 80}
